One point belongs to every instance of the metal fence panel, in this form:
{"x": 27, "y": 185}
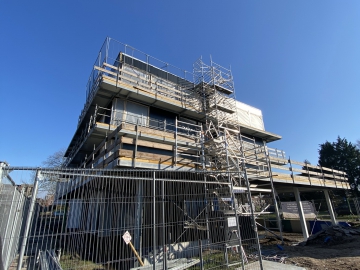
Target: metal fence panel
{"x": 12, "y": 206}
{"x": 177, "y": 220}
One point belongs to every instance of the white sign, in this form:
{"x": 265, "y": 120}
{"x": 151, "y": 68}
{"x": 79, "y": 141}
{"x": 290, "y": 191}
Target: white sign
{"x": 231, "y": 222}
{"x": 127, "y": 237}
{"x": 290, "y": 209}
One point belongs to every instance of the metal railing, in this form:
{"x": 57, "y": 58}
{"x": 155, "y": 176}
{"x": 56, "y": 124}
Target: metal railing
{"x": 110, "y": 54}
{"x": 277, "y": 153}
{"x": 106, "y": 116}
{"x": 303, "y": 173}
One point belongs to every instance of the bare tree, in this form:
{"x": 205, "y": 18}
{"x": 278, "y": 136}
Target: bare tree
{"x": 55, "y": 160}
{"x": 47, "y": 183}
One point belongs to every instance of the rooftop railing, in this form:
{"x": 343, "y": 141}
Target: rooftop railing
{"x": 109, "y": 54}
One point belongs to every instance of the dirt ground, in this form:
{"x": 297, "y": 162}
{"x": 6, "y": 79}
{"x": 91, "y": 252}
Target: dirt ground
{"x": 326, "y": 251}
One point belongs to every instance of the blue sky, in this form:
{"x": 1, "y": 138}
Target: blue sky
{"x": 297, "y": 61}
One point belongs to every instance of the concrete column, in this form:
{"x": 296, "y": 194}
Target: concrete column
{"x": 330, "y": 208}
{"x": 301, "y": 214}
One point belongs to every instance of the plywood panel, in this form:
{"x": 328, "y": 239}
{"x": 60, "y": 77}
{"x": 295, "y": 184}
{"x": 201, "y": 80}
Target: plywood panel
{"x": 147, "y": 143}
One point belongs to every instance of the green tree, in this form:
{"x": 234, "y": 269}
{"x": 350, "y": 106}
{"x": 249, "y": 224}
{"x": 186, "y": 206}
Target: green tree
{"x": 306, "y": 168}
{"x": 343, "y": 156}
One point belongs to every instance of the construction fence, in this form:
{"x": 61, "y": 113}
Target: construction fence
{"x": 14, "y": 205}
{"x": 126, "y": 219}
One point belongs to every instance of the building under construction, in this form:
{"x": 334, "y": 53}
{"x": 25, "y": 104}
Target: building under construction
{"x": 172, "y": 157}
{"x": 143, "y": 113}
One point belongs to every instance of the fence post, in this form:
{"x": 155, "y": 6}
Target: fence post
{"x": 163, "y": 225}
{"x": 154, "y": 221}
{"x": 139, "y": 218}
{"x": 2, "y": 171}
{"x": 201, "y": 255}
{"x": 28, "y": 220}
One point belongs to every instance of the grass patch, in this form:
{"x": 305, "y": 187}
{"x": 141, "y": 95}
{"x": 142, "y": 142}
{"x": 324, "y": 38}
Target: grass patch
{"x": 215, "y": 259}
{"x": 72, "y": 261}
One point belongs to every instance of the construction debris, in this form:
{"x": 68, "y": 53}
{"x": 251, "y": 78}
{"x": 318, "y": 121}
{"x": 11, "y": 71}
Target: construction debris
{"x": 274, "y": 255}
{"x": 177, "y": 264}
{"x": 333, "y": 235}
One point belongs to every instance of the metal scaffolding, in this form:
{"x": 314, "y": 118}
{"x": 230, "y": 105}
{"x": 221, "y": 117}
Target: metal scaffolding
{"x": 193, "y": 205}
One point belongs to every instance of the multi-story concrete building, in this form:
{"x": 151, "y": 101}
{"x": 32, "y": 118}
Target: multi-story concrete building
{"x": 142, "y": 113}
{"x": 171, "y": 158}
{"x": 138, "y": 114}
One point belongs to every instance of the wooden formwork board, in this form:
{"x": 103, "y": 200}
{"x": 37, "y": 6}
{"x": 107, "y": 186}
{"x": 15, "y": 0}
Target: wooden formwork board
{"x": 163, "y": 136}
{"x": 158, "y": 162}
{"x": 123, "y": 71}
{"x": 110, "y": 147}
{"x": 147, "y": 143}
{"x": 159, "y": 139}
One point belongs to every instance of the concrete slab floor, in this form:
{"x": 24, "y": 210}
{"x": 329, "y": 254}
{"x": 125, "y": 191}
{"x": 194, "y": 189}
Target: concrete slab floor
{"x": 268, "y": 265}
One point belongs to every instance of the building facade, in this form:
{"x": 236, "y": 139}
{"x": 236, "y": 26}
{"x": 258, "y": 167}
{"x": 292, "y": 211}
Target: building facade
{"x": 142, "y": 113}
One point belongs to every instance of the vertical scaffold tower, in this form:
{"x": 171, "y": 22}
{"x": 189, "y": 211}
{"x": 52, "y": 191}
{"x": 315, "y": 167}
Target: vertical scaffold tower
{"x": 224, "y": 152}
